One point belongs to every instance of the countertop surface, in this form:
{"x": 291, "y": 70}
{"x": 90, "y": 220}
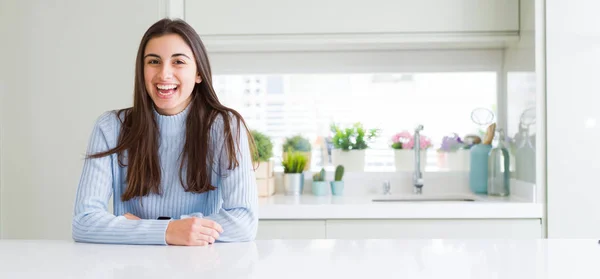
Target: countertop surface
{"x": 305, "y": 259}
{"x": 363, "y": 207}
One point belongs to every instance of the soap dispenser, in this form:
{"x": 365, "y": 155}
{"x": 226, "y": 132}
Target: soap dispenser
{"x": 499, "y": 168}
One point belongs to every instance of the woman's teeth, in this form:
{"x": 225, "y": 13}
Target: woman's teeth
{"x": 167, "y": 86}
{"x": 166, "y": 90}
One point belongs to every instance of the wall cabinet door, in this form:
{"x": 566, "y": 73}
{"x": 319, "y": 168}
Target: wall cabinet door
{"x": 276, "y": 17}
{"x": 459, "y": 228}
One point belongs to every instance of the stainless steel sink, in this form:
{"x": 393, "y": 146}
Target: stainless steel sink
{"x": 418, "y": 198}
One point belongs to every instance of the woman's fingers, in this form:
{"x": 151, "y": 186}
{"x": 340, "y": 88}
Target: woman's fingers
{"x": 207, "y": 238}
{"x": 209, "y": 233}
{"x": 211, "y": 224}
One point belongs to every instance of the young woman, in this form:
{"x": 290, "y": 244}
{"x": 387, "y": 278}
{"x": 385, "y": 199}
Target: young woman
{"x": 178, "y": 163}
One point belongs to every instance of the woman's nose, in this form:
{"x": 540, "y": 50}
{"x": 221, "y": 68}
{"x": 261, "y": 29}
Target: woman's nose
{"x": 166, "y": 72}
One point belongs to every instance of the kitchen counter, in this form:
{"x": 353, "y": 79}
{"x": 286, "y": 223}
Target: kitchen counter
{"x": 362, "y": 207}
{"x": 305, "y": 259}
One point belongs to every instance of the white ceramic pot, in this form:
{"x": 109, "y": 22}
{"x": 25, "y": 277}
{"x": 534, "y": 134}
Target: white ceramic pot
{"x": 293, "y": 184}
{"x": 459, "y": 160}
{"x": 266, "y": 186}
{"x": 352, "y": 160}
{"x": 265, "y": 170}
{"x": 404, "y": 159}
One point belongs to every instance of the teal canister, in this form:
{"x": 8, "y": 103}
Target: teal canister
{"x": 478, "y": 172}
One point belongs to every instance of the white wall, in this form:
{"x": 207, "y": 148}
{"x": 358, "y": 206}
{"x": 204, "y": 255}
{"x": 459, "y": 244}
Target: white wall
{"x": 4, "y": 20}
{"x": 573, "y": 100}
{"x": 64, "y": 63}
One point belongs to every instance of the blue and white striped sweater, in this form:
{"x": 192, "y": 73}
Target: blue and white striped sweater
{"x": 233, "y": 204}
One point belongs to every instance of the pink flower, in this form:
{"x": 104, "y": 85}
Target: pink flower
{"x": 424, "y": 142}
{"x": 402, "y": 137}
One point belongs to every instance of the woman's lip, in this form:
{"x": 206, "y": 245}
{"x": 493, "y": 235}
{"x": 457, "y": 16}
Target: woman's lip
{"x": 168, "y": 96}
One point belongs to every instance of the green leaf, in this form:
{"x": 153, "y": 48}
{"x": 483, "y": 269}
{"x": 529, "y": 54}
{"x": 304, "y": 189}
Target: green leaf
{"x": 294, "y": 162}
{"x": 264, "y": 146}
{"x": 352, "y": 138}
{"x": 297, "y": 143}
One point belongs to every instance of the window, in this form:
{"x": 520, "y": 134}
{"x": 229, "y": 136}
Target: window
{"x": 392, "y": 90}
{"x": 308, "y": 104}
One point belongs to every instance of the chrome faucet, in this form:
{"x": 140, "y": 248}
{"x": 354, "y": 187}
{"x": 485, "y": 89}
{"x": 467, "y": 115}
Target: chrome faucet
{"x": 417, "y": 174}
{"x": 387, "y": 187}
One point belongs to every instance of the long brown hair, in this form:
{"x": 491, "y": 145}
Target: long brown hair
{"x": 139, "y": 135}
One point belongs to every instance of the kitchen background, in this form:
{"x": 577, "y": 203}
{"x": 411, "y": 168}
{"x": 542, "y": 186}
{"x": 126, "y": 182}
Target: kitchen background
{"x": 297, "y": 67}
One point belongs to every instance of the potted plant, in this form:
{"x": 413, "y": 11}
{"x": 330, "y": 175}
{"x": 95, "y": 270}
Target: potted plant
{"x": 319, "y": 185}
{"x": 337, "y": 186}
{"x": 265, "y": 178}
{"x": 349, "y": 145}
{"x": 454, "y": 154}
{"x": 293, "y": 178}
{"x": 404, "y": 156}
{"x": 300, "y": 144}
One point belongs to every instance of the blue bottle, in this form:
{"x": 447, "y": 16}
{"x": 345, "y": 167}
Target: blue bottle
{"x": 478, "y": 172}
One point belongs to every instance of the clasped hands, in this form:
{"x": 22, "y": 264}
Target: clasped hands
{"x": 192, "y": 231}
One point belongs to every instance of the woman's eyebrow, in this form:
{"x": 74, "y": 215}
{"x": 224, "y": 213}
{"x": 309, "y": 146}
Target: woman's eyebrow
{"x": 174, "y": 55}
{"x": 151, "y": 55}
{"x": 180, "y": 54}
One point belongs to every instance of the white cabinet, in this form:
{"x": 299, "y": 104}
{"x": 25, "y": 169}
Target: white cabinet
{"x": 570, "y": 50}
{"x": 419, "y": 228}
{"x": 396, "y": 228}
{"x": 291, "y": 229}
{"x": 316, "y": 25}
{"x": 276, "y": 17}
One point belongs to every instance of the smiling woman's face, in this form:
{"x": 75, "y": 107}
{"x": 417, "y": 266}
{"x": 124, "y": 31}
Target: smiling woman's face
{"x": 170, "y": 73}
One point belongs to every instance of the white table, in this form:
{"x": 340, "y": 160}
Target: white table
{"x": 372, "y": 259}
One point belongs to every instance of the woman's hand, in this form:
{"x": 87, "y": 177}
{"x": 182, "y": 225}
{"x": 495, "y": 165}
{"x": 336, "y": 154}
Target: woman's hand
{"x": 192, "y": 232}
{"x": 131, "y": 216}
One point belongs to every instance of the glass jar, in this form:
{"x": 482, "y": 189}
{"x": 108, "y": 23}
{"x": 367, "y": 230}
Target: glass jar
{"x": 499, "y": 168}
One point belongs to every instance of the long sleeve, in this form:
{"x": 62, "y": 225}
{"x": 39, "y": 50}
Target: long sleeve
{"x": 91, "y": 220}
{"x": 238, "y": 214}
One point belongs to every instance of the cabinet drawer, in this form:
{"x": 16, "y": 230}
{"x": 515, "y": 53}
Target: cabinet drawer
{"x": 425, "y": 228}
{"x": 291, "y": 229}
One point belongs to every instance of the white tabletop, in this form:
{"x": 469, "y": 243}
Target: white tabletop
{"x": 306, "y": 259}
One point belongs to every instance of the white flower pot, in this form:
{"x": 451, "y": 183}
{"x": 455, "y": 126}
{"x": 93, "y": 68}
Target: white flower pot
{"x": 352, "y": 160}
{"x": 265, "y": 170}
{"x": 459, "y": 160}
{"x": 404, "y": 159}
{"x": 441, "y": 160}
{"x": 266, "y": 186}
{"x": 293, "y": 184}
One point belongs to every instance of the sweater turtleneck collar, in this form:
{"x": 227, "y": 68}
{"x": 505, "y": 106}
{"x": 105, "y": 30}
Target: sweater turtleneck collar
{"x": 171, "y": 124}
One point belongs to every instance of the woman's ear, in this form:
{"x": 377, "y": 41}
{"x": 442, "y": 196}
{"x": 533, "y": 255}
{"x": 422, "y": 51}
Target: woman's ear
{"x": 198, "y": 79}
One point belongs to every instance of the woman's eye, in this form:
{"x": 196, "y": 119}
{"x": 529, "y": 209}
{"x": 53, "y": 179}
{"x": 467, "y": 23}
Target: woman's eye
{"x": 154, "y": 61}
{"x": 179, "y": 62}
